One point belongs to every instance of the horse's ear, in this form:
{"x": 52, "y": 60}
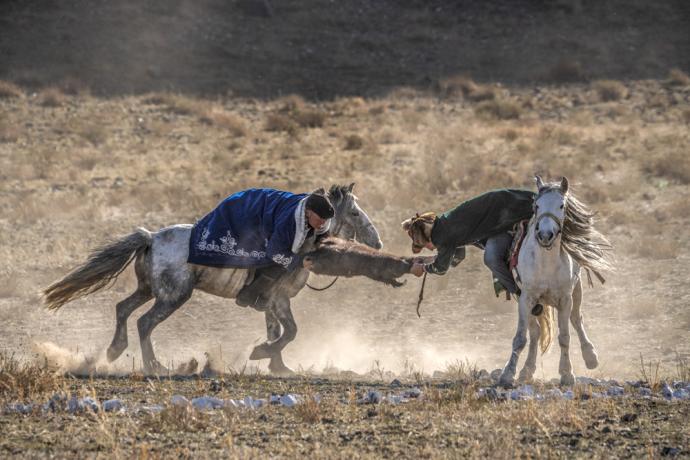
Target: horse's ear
{"x": 319, "y": 191}
{"x": 350, "y": 187}
{"x": 564, "y": 185}
{"x": 406, "y": 224}
{"x": 539, "y": 181}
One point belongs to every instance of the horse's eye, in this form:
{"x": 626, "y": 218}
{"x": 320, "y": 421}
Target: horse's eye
{"x": 561, "y": 206}
{"x": 355, "y": 214}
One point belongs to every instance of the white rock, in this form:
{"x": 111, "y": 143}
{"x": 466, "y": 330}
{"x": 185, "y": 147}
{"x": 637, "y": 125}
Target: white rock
{"x": 113, "y": 405}
{"x": 207, "y": 402}
{"x": 615, "y": 391}
{"x": 179, "y": 400}
{"x": 288, "y": 400}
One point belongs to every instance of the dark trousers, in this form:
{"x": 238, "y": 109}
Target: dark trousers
{"x": 258, "y": 293}
{"x": 495, "y": 255}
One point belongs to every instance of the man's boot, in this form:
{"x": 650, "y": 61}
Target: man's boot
{"x": 257, "y": 294}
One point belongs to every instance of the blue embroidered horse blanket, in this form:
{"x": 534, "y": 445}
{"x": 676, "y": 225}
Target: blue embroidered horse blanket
{"x": 250, "y": 229}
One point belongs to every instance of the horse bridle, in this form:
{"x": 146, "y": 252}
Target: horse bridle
{"x": 553, "y": 217}
{"x": 339, "y": 210}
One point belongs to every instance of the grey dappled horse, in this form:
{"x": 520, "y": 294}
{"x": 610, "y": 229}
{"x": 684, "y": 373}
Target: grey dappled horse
{"x": 560, "y": 241}
{"x": 163, "y": 274}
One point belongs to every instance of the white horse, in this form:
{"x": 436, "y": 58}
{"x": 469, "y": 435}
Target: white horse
{"x": 559, "y": 242}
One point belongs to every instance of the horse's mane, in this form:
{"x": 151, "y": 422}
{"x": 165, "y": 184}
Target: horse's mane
{"x": 589, "y": 248}
{"x": 338, "y": 192}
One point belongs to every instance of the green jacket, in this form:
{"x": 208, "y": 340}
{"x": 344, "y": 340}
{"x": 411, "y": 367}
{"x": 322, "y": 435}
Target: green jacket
{"x": 476, "y": 220}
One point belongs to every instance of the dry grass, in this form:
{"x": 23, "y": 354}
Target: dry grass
{"x": 277, "y": 122}
{"x": 677, "y": 77}
{"x": 499, "y": 109}
{"x": 464, "y": 86}
{"x": 353, "y": 142}
{"x": 234, "y": 124}
{"x": 309, "y": 118}
{"x": 672, "y": 165}
{"x": 9, "y": 90}
{"x": 609, "y": 90}
{"x": 20, "y": 381}
{"x": 52, "y": 97}
{"x": 9, "y": 132}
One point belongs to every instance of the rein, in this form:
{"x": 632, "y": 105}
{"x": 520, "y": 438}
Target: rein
{"x": 421, "y": 295}
{"x": 323, "y": 288}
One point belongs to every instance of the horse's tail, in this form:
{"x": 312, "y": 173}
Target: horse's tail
{"x": 103, "y": 266}
{"x": 546, "y": 325}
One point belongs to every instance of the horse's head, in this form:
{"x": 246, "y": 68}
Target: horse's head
{"x": 350, "y": 221}
{"x": 549, "y": 211}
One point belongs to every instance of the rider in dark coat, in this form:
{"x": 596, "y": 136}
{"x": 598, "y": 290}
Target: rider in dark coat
{"x": 483, "y": 221}
{"x": 259, "y": 229}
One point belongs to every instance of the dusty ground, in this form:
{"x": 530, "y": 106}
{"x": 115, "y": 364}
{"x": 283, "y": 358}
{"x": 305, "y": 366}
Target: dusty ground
{"x": 76, "y": 169}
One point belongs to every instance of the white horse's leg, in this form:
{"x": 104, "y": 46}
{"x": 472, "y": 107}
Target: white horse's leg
{"x": 565, "y": 368}
{"x": 588, "y": 352}
{"x": 527, "y": 372}
{"x": 271, "y": 349}
{"x": 519, "y": 342}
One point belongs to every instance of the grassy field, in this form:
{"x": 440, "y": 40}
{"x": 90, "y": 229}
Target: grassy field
{"x": 110, "y": 125}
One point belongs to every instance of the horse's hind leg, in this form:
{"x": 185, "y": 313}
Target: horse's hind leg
{"x": 125, "y": 308}
{"x": 588, "y": 352}
{"x": 527, "y": 372}
{"x": 162, "y": 308}
{"x": 276, "y": 366}
{"x": 272, "y": 348}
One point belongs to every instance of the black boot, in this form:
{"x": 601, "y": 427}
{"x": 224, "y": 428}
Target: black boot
{"x": 257, "y": 294}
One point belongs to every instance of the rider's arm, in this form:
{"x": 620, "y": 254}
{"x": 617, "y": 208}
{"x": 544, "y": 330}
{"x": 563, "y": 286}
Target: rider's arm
{"x": 279, "y": 250}
{"x": 442, "y": 262}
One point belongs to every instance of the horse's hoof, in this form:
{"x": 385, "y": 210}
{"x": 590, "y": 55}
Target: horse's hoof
{"x": 590, "y": 357}
{"x": 155, "y": 368}
{"x": 114, "y": 352}
{"x": 538, "y": 309}
{"x": 567, "y": 380}
{"x": 526, "y": 376}
{"x": 261, "y": 352}
{"x": 506, "y": 381}
{"x": 281, "y": 371}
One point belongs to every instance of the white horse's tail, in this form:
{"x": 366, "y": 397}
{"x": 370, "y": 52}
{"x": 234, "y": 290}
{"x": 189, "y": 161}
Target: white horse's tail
{"x": 546, "y": 320}
{"x": 103, "y": 266}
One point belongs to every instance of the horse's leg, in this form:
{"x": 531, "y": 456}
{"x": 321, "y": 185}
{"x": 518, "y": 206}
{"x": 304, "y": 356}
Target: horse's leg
{"x": 272, "y": 348}
{"x": 162, "y": 308}
{"x": 565, "y": 368}
{"x": 588, "y": 352}
{"x": 125, "y": 308}
{"x": 527, "y": 372}
{"x": 519, "y": 341}
{"x": 276, "y": 366}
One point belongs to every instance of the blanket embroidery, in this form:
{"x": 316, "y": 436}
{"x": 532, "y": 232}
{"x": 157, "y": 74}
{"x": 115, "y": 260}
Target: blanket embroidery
{"x": 227, "y": 246}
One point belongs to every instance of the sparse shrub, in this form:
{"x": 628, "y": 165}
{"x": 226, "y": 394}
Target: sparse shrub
{"x": 686, "y": 115}
{"x": 610, "y": 90}
{"x": 309, "y": 410}
{"x": 501, "y": 109}
{"x": 277, "y": 123}
{"x": 677, "y": 77}
{"x": 51, "y": 97}
{"x": 21, "y": 381}
{"x": 353, "y": 142}
{"x": 234, "y": 124}
{"x": 8, "y": 132}
{"x": 94, "y": 132}
{"x": 566, "y": 71}
{"x": 674, "y": 165}
{"x": 292, "y": 103}
{"x": 309, "y": 118}
{"x": 465, "y": 87}
{"x": 9, "y": 90}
